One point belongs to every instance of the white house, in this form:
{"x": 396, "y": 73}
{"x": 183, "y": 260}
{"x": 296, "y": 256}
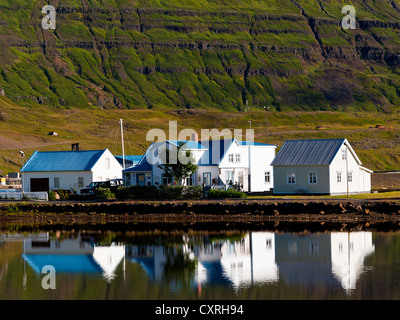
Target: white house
{"x": 221, "y": 163}
{"x": 68, "y": 170}
{"x": 320, "y": 166}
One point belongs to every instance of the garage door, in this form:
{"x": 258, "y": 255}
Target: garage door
{"x": 38, "y": 185}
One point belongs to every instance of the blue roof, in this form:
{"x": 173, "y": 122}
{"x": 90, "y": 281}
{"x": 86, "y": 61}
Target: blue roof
{"x": 133, "y": 159}
{"x": 307, "y": 152}
{"x": 142, "y": 166}
{"x": 190, "y": 144}
{"x": 62, "y": 161}
{"x": 63, "y": 263}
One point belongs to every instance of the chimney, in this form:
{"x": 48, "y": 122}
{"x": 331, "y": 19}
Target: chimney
{"x": 75, "y": 147}
{"x": 195, "y": 137}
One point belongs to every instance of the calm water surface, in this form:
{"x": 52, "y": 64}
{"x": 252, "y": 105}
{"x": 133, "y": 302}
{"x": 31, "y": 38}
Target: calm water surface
{"x": 201, "y": 265}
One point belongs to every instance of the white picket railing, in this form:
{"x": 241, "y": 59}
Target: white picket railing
{"x": 24, "y": 195}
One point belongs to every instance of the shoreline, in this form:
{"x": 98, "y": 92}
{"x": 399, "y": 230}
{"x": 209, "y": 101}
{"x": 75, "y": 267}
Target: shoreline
{"x": 322, "y": 214}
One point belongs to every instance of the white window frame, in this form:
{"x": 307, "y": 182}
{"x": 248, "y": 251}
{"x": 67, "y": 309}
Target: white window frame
{"x": 344, "y": 154}
{"x": 189, "y": 180}
{"x": 350, "y": 176}
{"x": 230, "y": 158}
{"x": 291, "y": 178}
{"x": 267, "y": 177}
{"x": 339, "y": 176}
{"x": 237, "y": 158}
{"x": 57, "y": 185}
{"x": 81, "y": 182}
{"x": 311, "y": 180}
{"x": 228, "y": 174}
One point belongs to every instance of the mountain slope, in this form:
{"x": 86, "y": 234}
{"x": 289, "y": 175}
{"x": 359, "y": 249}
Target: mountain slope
{"x": 224, "y": 55}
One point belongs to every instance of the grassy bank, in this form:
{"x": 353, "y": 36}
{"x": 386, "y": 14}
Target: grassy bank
{"x": 378, "y": 149}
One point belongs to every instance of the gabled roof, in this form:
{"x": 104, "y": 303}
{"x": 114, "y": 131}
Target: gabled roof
{"x": 62, "y": 161}
{"x": 309, "y": 152}
{"x": 216, "y": 150}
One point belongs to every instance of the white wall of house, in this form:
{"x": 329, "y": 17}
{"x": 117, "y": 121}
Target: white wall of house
{"x": 205, "y": 170}
{"x": 236, "y": 160}
{"x": 67, "y": 180}
{"x": 106, "y": 168}
{"x": 261, "y": 158}
{"x": 359, "y": 178}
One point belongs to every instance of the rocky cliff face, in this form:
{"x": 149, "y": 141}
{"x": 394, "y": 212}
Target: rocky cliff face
{"x": 289, "y": 54}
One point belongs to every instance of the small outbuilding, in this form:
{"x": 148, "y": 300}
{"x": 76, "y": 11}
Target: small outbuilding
{"x": 68, "y": 170}
{"x": 320, "y": 166}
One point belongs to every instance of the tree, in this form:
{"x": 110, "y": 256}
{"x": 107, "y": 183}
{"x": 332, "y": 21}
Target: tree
{"x": 179, "y": 162}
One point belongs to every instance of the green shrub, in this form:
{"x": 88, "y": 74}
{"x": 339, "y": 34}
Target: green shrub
{"x": 230, "y": 193}
{"x": 163, "y": 192}
{"x": 64, "y": 195}
{"x": 103, "y": 193}
{"x": 137, "y": 192}
{"x": 192, "y": 192}
{"x": 52, "y": 195}
{"x": 170, "y": 192}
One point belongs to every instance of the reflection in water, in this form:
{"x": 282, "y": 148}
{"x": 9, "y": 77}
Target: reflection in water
{"x": 77, "y": 255}
{"x": 348, "y": 253}
{"x": 199, "y": 260}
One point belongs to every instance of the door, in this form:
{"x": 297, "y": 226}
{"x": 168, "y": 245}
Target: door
{"x": 140, "y": 179}
{"x": 207, "y": 178}
{"x": 40, "y": 184}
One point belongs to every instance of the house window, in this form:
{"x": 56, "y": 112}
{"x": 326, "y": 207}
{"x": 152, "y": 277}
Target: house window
{"x": 237, "y": 158}
{"x": 350, "y": 176}
{"x": 81, "y": 182}
{"x": 291, "y": 178}
{"x": 230, "y": 158}
{"x": 189, "y": 181}
{"x": 56, "y": 183}
{"x": 314, "y": 248}
{"x": 338, "y": 176}
{"x": 312, "y": 178}
{"x": 344, "y": 154}
{"x": 108, "y": 166}
{"x": 228, "y": 177}
{"x": 166, "y": 180}
{"x": 267, "y": 177}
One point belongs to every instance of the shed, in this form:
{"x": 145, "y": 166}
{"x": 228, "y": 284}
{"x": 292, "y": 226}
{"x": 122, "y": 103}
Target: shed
{"x": 68, "y": 170}
{"x": 319, "y": 166}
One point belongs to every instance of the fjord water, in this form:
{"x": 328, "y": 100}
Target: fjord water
{"x": 201, "y": 265}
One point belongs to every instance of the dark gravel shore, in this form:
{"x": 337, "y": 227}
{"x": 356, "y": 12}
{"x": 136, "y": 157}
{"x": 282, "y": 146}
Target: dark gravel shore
{"x": 307, "y": 214}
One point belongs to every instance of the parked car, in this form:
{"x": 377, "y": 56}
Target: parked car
{"x": 113, "y": 185}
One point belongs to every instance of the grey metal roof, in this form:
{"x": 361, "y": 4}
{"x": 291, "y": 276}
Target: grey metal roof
{"x": 307, "y": 152}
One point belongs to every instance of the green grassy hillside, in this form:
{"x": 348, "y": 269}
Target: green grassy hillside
{"x": 205, "y": 54}
{"x": 27, "y": 129}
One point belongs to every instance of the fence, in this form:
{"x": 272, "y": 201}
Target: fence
{"x": 26, "y": 195}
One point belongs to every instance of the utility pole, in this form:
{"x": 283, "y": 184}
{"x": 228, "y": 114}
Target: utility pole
{"x": 249, "y": 143}
{"x": 347, "y": 170}
{"x": 266, "y": 123}
{"x": 123, "y": 147}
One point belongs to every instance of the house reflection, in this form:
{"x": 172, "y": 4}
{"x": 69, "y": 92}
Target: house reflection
{"x": 238, "y": 261}
{"x": 266, "y": 257}
{"x": 72, "y": 255}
